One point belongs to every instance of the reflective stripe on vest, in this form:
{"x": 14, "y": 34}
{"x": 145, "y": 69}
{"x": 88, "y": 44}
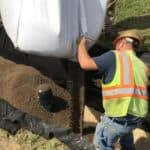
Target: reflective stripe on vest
{"x": 126, "y": 87}
{"x": 125, "y": 92}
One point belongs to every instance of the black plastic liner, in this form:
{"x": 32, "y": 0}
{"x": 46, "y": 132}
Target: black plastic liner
{"x": 12, "y": 119}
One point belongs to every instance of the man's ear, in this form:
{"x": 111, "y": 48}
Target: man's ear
{"x": 121, "y": 44}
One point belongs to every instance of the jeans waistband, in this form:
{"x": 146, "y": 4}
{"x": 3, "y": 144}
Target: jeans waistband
{"x": 126, "y": 123}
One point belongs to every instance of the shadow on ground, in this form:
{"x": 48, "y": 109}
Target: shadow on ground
{"x": 139, "y": 22}
{"x": 142, "y": 141}
{"x": 59, "y": 104}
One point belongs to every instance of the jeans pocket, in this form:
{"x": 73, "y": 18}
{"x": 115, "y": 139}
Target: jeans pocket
{"x": 98, "y": 137}
{"x": 111, "y": 135}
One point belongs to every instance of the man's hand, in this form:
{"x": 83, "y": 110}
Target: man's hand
{"x": 81, "y": 40}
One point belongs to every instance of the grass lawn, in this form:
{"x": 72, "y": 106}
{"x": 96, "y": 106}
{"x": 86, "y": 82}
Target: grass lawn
{"x": 135, "y": 8}
{"x": 134, "y": 15}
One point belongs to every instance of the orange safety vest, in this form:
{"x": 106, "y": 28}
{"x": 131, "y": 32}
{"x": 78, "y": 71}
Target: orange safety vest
{"x": 127, "y": 92}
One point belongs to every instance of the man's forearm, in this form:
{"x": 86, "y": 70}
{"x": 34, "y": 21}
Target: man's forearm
{"x": 85, "y": 60}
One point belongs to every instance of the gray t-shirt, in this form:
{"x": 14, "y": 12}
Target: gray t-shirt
{"x": 106, "y": 64}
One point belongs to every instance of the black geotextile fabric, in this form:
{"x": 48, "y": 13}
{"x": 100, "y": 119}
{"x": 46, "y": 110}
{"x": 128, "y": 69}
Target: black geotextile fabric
{"x": 12, "y": 119}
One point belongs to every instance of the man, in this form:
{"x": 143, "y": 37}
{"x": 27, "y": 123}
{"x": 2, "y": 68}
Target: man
{"x": 124, "y": 88}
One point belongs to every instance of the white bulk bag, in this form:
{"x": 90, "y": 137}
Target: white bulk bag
{"x": 51, "y": 27}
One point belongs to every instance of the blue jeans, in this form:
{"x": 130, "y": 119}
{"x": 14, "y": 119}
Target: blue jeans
{"x": 109, "y": 132}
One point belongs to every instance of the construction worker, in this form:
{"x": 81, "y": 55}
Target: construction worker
{"x": 124, "y": 88}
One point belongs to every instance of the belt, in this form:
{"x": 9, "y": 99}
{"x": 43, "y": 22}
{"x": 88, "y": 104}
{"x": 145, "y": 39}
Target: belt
{"x": 124, "y": 122}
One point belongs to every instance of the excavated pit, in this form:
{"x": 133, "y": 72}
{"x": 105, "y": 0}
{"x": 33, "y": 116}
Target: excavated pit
{"x": 23, "y": 75}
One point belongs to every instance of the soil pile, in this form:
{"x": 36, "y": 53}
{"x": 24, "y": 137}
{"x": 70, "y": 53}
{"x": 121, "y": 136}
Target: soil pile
{"x": 19, "y": 85}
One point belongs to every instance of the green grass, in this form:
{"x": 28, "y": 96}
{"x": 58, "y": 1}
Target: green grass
{"x": 130, "y": 14}
{"x": 134, "y": 15}
{"x": 130, "y": 8}
{"x": 25, "y": 140}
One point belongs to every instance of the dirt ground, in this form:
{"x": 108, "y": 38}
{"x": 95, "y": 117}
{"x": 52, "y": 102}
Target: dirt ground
{"x": 19, "y": 85}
